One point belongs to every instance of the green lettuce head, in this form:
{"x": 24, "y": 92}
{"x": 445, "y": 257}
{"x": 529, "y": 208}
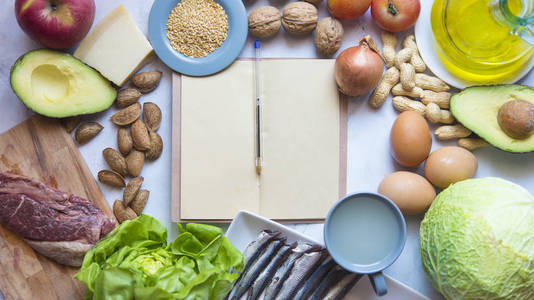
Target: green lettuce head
{"x": 477, "y": 241}
{"x": 135, "y": 262}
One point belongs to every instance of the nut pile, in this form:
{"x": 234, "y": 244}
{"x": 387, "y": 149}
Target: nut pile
{"x": 197, "y": 27}
{"x": 298, "y": 18}
{"x": 137, "y": 140}
{"x": 415, "y": 91}
{"x": 135, "y": 144}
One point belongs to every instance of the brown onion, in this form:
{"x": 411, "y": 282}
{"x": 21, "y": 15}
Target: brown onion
{"x": 359, "y": 69}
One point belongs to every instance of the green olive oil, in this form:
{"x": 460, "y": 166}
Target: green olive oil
{"x": 474, "y": 41}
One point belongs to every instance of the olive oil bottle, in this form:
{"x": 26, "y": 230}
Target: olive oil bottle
{"x": 483, "y": 41}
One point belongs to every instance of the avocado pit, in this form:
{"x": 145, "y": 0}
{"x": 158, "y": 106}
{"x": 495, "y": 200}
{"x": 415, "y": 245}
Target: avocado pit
{"x": 516, "y": 119}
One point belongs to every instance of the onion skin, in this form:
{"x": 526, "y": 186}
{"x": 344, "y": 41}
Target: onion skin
{"x": 359, "y": 69}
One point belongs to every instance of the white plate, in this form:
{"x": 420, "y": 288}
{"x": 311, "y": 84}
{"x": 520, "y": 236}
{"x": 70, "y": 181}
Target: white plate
{"x": 427, "y": 44}
{"x": 246, "y": 226}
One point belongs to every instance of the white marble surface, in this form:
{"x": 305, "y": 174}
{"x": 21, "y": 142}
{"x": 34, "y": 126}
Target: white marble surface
{"x": 369, "y": 159}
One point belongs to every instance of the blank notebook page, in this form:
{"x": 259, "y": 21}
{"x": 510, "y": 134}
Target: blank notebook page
{"x": 300, "y": 138}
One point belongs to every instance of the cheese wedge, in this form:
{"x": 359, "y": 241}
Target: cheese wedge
{"x": 115, "y": 47}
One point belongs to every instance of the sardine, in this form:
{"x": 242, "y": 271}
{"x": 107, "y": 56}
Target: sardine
{"x": 254, "y": 249}
{"x": 315, "y": 279}
{"x": 332, "y": 283}
{"x": 342, "y": 288}
{"x": 283, "y": 271}
{"x": 249, "y": 275}
{"x": 301, "y": 271}
{"x": 265, "y": 276}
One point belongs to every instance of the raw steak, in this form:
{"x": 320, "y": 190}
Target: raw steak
{"x": 60, "y": 226}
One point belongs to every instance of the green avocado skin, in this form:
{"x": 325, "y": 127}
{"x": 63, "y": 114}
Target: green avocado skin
{"x": 477, "y": 108}
{"x": 56, "y": 84}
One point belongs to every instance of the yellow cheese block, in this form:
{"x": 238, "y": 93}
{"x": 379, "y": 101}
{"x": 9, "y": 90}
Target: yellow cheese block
{"x": 115, "y": 47}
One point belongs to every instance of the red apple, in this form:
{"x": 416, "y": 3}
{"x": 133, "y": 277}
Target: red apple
{"x": 395, "y": 15}
{"x": 57, "y": 24}
{"x": 348, "y": 9}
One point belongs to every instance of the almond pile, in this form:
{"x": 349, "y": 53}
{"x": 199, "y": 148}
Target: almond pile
{"x": 137, "y": 140}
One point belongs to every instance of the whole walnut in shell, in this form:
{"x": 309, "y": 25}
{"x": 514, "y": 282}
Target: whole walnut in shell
{"x": 328, "y": 36}
{"x": 299, "y": 18}
{"x": 264, "y": 22}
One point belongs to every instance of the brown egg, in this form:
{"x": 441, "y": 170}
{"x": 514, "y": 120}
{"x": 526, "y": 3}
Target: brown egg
{"x": 411, "y": 192}
{"x": 448, "y": 165}
{"x": 411, "y": 139}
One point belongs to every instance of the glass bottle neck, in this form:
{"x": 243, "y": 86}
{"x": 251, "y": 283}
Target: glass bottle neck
{"x": 518, "y": 15}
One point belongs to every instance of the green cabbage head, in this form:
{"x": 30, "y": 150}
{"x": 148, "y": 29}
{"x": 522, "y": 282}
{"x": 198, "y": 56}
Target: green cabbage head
{"x": 477, "y": 241}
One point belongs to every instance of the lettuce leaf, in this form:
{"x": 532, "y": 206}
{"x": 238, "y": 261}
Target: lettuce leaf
{"x": 135, "y": 262}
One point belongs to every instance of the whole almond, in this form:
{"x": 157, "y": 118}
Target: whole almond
{"x": 127, "y": 115}
{"x": 123, "y": 213}
{"x": 115, "y": 161}
{"x": 134, "y": 162}
{"x": 87, "y": 131}
{"x": 70, "y": 123}
{"x": 147, "y": 81}
{"x": 131, "y": 189}
{"x": 139, "y": 202}
{"x": 156, "y": 146}
{"x": 140, "y": 136}
{"x": 111, "y": 177}
{"x": 124, "y": 141}
{"x": 127, "y": 97}
{"x": 151, "y": 115}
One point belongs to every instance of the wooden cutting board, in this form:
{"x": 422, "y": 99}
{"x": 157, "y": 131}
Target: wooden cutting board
{"x": 40, "y": 148}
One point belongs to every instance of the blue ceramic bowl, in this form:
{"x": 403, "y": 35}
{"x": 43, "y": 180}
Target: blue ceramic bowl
{"x": 213, "y": 62}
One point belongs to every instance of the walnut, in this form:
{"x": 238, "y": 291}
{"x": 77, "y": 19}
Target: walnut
{"x": 328, "y": 36}
{"x": 314, "y": 2}
{"x": 299, "y": 18}
{"x": 264, "y": 22}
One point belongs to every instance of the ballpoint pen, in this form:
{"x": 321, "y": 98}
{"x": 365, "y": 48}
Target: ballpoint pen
{"x": 259, "y": 161}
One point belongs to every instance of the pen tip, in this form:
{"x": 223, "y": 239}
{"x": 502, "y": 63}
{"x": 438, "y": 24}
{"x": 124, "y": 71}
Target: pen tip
{"x": 258, "y": 169}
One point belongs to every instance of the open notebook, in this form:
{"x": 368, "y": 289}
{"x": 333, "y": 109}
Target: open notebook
{"x": 303, "y": 140}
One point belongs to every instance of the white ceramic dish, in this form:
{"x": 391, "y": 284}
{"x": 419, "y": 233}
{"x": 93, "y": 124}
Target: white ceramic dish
{"x": 246, "y": 226}
{"x": 426, "y": 44}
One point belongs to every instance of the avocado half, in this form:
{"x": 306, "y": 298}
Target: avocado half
{"x": 477, "y": 109}
{"x": 56, "y": 84}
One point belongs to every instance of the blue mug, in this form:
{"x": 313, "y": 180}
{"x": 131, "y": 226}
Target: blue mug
{"x": 365, "y": 233}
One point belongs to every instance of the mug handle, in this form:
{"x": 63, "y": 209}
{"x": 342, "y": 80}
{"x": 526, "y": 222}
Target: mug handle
{"x": 378, "y": 283}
